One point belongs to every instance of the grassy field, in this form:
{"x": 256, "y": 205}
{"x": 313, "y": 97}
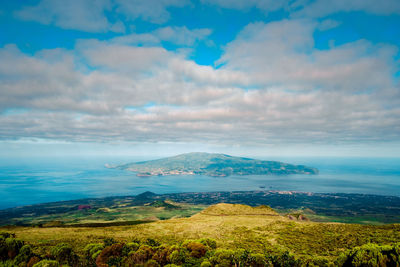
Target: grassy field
{"x": 232, "y": 226}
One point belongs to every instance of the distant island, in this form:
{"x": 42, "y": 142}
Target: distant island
{"x": 212, "y": 164}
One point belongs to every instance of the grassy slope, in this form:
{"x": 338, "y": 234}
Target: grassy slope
{"x": 260, "y": 229}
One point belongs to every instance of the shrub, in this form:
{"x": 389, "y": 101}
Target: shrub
{"x": 91, "y": 251}
{"x": 12, "y": 247}
{"x": 25, "y": 253}
{"x": 258, "y": 260}
{"x": 151, "y": 263}
{"x": 284, "y": 259}
{"x": 152, "y": 243}
{"x": 5, "y": 235}
{"x": 32, "y": 261}
{"x": 129, "y": 247}
{"x": 205, "y": 263}
{"x": 47, "y": 263}
{"x": 108, "y": 241}
{"x": 371, "y": 255}
{"x": 196, "y": 249}
{"x": 162, "y": 255}
{"x": 177, "y": 257}
{"x": 64, "y": 253}
{"x": 142, "y": 255}
{"x": 211, "y": 243}
{"x": 241, "y": 256}
{"x": 110, "y": 255}
{"x": 223, "y": 257}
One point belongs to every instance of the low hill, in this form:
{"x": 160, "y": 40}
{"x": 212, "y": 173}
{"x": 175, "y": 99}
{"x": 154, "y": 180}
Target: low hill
{"x": 224, "y": 209}
{"x": 213, "y": 165}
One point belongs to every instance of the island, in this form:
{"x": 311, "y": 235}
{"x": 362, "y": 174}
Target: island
{"x": 212, "y": 164}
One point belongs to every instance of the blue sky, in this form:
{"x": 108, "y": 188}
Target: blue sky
{"x": 298, "y": 77}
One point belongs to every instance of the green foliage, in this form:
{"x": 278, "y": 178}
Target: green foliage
{"x": 108, "y": 241}
{"x": 64, "y": 253}
{"x": 151, "y": 263}
{"x": 9, "y": 246}
{"x": 258, "y": 260}
{"x": 130, "y": 247}
{"x": 196, "y": 249}
{"x": 4, "y": 235}
{"x": 142, "y": 255}
{"x": 205, "y": 263}
{"x": 284, "y": 259}
{"x": 152, "y": 243}
{"x": 223, "y": 257}
{"x": 370, "y": 255}
{"x": 209, "y": 242}
{"x": 91, "y": 251}
{"x": 110, "y": 255}
{"x": 47, "y": 263}
{"x": 25, "y": 253}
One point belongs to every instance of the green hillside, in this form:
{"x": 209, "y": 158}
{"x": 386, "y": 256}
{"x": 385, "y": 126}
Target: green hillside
{"x": 221, "y": 235}
{"x": 213, "y": 165}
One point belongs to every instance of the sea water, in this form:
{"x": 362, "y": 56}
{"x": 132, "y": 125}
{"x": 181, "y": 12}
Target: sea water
{"x": 25, "y": 181}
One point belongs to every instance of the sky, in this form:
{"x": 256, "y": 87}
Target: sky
{"x": 252, "y": 77}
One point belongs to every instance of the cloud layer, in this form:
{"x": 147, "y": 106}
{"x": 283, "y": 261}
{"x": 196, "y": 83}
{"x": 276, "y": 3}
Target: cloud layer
{"x": 274, "y": 86}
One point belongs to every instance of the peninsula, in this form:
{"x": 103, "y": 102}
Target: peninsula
{"x": 212, "y": 164}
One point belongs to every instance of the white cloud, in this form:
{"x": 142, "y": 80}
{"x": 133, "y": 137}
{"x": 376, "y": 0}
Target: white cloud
{"x": 154, "y": 11}
{"x": 265, "y": 5}
{"x": 90, "y": 15}
{"x": 321, "y": 8}
{"x": 328, "y": 24}
{"x": 282, "y": 53}
{"x": 177, "y": 35}
{"x": 313, "y": 8}
{"x": 148, "y": 94}
{"x": 83, "y": 15}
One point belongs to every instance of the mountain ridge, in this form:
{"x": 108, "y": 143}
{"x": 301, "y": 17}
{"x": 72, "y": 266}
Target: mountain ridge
{"x": 212, "y": 164}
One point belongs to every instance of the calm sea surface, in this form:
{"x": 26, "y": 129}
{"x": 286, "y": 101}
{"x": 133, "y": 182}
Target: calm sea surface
{"x": 37, "y": 180}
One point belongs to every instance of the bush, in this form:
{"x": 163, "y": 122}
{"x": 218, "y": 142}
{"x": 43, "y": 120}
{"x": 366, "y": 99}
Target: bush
{"x": 258, "y": 260}
{"x": 284, "y": 259}
{"x": 129, "y": 247}
{"x": 25, "y": 253}
{"x": 177, "y": 257}
{"x": 196, "y": 249}
{"x": 152, "y": 263}
{"x": 371, "y": 255}
{"x": 10, "y": 248}
{"x": 91, "y": 251}
{"x": 152, "y": 243}
{"x": 211, "y": 243}
{"x": 64, "y": 253}
{"x": 223, "y": 257}
{"x": 47, "y": 263}
{"x": 142, "y": 255}
{"x": 162, "y": 255}
{"x": 205, "y": 263}
{"x": 110, "y": 255}
{"x": 32, "y": 261}
{"x": 108, "y": 241}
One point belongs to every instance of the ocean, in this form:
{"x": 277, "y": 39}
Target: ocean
{"x": 25, "y": 181}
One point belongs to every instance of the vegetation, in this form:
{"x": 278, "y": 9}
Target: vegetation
{"x": 221, "y": 235}
{"x": 212, "y": 165}
{"x": 146, "y": 207}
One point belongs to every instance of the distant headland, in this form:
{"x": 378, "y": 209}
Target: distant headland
{"x": 212, "y": 164}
